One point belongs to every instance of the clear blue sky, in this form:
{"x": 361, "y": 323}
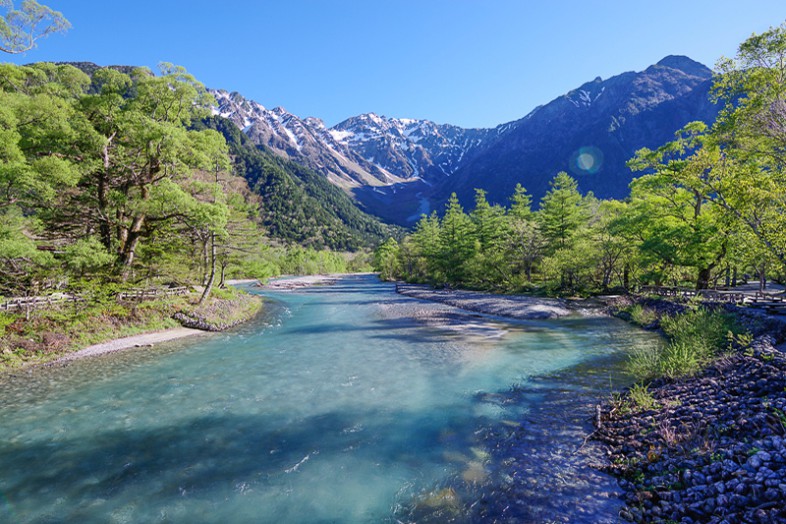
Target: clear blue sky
{"x": 474, "y": 63}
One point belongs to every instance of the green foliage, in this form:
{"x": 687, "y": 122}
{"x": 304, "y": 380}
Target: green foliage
{"x": 21, "y": 262}
{"x": 6, "y": 319}
{"x": 521, "y": 204}
{"x": 680, "y": 359}
{"x": 702, "y": 327}
{"x": 86, "y": 255}
{"x": 562, "y": 212}
{"x": 641, "y": 315}
{"x": 456, "y": 242}
{"x": 21, "y": 28}
{"x": 386, "y": 259}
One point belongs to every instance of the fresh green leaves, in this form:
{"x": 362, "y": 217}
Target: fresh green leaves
{"x": 21, "y": 28}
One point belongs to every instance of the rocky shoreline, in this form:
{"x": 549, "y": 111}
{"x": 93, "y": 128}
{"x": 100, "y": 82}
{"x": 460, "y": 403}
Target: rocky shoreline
{"x": 511, "y": 306}
{"x": 713, "y": 447}
{"x": 300, "y": 282}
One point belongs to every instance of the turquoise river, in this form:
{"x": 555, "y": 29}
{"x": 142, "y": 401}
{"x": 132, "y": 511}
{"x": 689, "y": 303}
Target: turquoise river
{"x": 340, "y": 404}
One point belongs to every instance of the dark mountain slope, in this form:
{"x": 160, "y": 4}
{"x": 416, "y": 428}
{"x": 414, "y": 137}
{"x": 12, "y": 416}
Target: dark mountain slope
{"x": 590, "y": 132}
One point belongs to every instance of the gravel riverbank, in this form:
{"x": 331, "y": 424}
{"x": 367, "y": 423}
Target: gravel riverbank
{"x": 512, "y": 306}
{"x": 713, "y": 447}
{"x": 295, "y": 283}
{"x": 146, "y": 339}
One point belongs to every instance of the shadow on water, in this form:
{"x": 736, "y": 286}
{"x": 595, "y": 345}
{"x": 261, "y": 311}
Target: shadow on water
{"x": 202, "y": 458}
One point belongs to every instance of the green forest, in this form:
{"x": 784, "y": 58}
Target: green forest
{"x": 125, "y": 177}
{"x": 708, "y": 209}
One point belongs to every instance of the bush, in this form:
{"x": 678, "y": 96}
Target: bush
{"x": 701, "y": 327}
{"x": 644, "y": 363}
{"x": 680, "y": 359}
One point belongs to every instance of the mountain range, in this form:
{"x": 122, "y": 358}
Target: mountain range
{"x": 398, "y": 168}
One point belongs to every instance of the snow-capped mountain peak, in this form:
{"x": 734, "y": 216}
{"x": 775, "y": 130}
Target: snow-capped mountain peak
{"x": 368, "y": 149}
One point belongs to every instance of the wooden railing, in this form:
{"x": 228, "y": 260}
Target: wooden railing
{"x": 48, "y": 301}
{"x": 139, "y": 295}
{"x": 38, "y": 302}
{"x": 710, "y": 295}
{"x": 772, "y": 302}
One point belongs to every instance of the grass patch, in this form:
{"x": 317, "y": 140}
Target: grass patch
{"x": 642, "y": 316}
{"x": 50, "y": 333}
{"x": 640, "y": 395}
{"x": 224, "y": 309}
{"x": 696, "y": 338}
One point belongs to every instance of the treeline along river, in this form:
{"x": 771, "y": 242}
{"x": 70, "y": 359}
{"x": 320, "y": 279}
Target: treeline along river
{"x": 343, "y": 403}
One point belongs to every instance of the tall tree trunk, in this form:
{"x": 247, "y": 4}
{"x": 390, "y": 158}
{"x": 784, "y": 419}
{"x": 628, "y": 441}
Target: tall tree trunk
{"x": 222, "y": 280}
{"x": 212, "y": 278}
{"x": 703, "y": 280}
{"x": 205, "y": 261}
{"x": 128, "y": 248}
{"x": 105, "y": 228}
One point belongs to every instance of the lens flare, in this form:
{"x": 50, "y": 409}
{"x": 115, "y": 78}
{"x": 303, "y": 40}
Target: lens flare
{"x": 586, "y": 161}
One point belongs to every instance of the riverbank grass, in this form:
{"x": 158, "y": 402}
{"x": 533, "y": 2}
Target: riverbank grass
{"x": 225, "y": 309}
{"x": 48, "y": 334}
{"x": 696, "y": 338}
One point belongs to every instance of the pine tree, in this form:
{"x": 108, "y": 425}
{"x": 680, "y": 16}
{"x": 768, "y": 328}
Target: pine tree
{"x": 562, "y": 212}
{"x": 457, "y": 242}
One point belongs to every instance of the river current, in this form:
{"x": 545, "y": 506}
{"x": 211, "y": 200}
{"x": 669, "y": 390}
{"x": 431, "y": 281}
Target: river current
{"x": 336, "y": 405}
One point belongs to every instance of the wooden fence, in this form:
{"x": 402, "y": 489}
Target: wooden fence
{"x": 45, "y": 302}
{"x": 771, "y": 302}
{"x": 28, "y": 303}
{"x": 709, "y": 295}
{"x": 138, "y": 295}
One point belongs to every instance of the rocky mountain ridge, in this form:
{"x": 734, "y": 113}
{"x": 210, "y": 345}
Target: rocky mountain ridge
{"x": 367, "y": 149}
{"x": 398, "y": 168}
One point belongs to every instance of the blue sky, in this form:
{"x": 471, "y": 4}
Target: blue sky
{"x": 474, "y": 63}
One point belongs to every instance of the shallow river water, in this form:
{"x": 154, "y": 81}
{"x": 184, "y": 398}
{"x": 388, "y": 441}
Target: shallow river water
{"x": 334, "y": 406}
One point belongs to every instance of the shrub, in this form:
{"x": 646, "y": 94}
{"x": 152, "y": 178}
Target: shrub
{"x": 680, "y": 359}
{"x": 644, "y": 363}
{"x": 6, "y": 319}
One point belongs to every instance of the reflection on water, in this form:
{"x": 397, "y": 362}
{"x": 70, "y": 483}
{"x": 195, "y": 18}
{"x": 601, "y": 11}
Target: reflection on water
{"x": 335, "y": 407}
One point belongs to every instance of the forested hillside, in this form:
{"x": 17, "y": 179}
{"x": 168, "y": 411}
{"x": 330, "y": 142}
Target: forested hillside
{"x": 297, "y": 204}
